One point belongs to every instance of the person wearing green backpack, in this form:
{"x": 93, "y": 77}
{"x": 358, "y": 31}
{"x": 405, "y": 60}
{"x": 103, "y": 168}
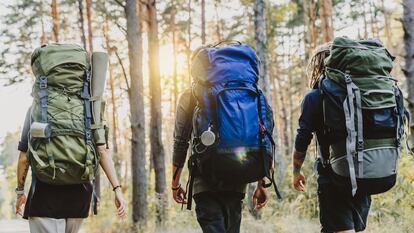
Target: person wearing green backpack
{"x": 356, "y": 111}
{"x": 63, "y": 142}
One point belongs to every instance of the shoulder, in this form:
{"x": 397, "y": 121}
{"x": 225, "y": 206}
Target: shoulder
{"x": 312, "y": 96}
{"x": 185, "y": 102}
{"x": 186, "y": 95}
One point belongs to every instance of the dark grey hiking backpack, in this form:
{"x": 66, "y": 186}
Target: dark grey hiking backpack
{"x": 364, "y": 114}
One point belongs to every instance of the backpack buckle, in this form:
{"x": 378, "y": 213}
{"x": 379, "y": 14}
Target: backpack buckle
{"x": 262, "y": 128}
{"x": 347, "y": 76}
{"x": 348, "y": 79}
{"x": 360, "y": 146}
{"x": 43, "y": 82}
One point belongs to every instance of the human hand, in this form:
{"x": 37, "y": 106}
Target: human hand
{"x": 120, "y": 203}
{"x": 179, "y": 195}
{"x": 21, "y": 200}
{"x": 260, "y": 196}
{"x": 299, "y": 181}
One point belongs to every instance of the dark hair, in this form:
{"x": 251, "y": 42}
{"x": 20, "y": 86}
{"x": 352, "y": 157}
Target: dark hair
{"x": 316, "y": 65}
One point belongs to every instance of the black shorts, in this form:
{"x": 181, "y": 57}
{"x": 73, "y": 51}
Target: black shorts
{"x": 338, "y": 210}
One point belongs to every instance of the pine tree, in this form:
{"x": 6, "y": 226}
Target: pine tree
{"x": 55, "y": 17}
{"x": 138, "y": 159}
{"x": 157, "y": 148}
{"x": 325, "y": 7}
{"x": 82, "y": 23}
{"x": 408, "y": 26}
{"x": 203, "y": 22}
{"x": 90, "y": 29}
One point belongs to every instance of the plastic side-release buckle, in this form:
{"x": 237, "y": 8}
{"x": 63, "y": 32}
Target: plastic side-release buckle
{"x": 43, "y": 82}
{"x": 360, "y": 146}
{"x": 348, "y": 78}
{"x": 262, "y": 128}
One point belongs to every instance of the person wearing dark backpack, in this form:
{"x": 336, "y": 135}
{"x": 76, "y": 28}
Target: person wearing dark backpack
{"x": 225, "y": 120}
{"x": 356, "y": 111}
{"x": 63, "y": 140}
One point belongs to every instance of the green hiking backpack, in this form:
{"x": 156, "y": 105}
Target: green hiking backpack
{"x": 61, "y": 146}
{"x": 364, "y": 114}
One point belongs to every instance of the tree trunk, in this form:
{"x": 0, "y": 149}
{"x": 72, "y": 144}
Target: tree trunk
{"x": 408, "y": 26}
{"x": 283, "y": 115}
{"x": 43, "y": 37}
{"x": 55, "y": 17}
{"x": 115, "y": 156}
{"x": 174, "y": 44}
{"x": 203, "y": 22}
{"x": 313, "y": 24}
{"x": 374, "y": 27}
{"x": 189, "y": 42}
{"x": 82, "y": 23}
{"x": 138, "y": 160}
{"x": 218, "y": 22}
{"x": 325, "y": 8}
{"x": 306, "y": 29}
{"x": 157, "y": 148}
{"x": 90, "y": 34}
{"x": 364, "y": 12}
{"x": 387, "y": 26}
{"x": 260, "y": 42}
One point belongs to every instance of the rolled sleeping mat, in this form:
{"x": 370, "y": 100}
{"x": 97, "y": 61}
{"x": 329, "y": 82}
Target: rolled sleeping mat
{"x": 99, "y": 68}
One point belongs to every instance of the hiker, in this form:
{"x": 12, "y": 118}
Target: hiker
{"x": 62, "y": 143}
{"x": 356, "y": 110}
{"x": 221, "y": 169}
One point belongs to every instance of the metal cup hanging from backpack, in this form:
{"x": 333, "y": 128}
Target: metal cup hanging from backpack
{"x": 208, "y": 137}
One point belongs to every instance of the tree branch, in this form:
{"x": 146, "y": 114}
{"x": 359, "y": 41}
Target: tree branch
{"x": 123, "y": 71}
{"x": 119, "y": 3}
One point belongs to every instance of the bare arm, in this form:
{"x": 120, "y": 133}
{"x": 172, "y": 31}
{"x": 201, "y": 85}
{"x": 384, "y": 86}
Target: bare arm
{"x": 299, "y": 180}
{"x": 22, "y": 170}
{"x": 260, "y": 195}
{"x": 179, "y": 194}
{"x": 108, "y": 166}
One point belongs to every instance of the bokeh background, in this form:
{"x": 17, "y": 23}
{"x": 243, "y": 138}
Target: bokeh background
{"x": 284, "y": 34}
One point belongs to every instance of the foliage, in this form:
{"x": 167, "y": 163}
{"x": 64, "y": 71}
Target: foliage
{"x": 28, "y": 25}
{"x": 8, "y": 153}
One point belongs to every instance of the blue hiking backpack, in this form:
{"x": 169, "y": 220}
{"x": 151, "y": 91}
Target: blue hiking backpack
{"x": 232, "y": 121}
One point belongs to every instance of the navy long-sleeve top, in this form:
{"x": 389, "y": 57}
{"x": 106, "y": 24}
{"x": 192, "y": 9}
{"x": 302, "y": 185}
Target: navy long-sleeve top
{"x": 311, "y": 121}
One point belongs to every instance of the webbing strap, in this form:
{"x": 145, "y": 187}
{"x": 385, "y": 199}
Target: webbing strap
{"x": 89, "y": 171}
{"x": 350, "y": 126}
{"x": 51, "y": 160}
{"x": 190, "y": 183}
{"x": 407, "y": 133}
{"x": 36, "y": 156}
{"x": 360, "y": 135}
{"x": 87, "y": 106}
{"x": 43, "y": 97}
{"x": 271, "y": 170}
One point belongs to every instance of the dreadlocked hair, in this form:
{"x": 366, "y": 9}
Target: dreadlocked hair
{"x": 316, "y": 65}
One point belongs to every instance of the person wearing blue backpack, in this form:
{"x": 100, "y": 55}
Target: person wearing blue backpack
{"x": 228, "y": 124}
{"x": 356, "y": 110}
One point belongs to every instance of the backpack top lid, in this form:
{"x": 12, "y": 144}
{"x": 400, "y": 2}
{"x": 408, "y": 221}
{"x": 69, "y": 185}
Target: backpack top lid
{"x": 63, "y": 64}
{"x": 234, "y": 62}
{"x": 369, "y": 64}
{"x": 47, "y": 57}
{"x": 360, "y": 58}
